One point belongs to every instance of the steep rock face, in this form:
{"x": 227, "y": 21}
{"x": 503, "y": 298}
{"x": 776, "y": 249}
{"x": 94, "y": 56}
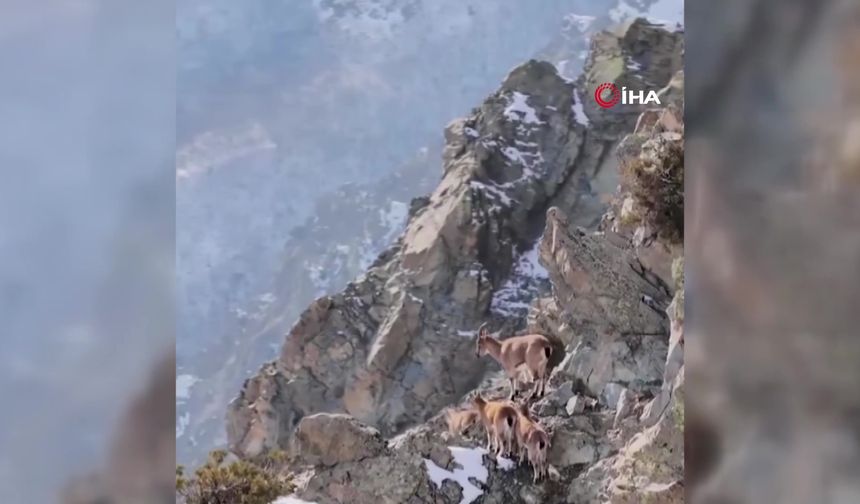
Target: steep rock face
{"x": 397, "y": 345}
{"x": 329, "y": 439}
{"x": 623, "y": 452}
{"x": 378, "y": 349}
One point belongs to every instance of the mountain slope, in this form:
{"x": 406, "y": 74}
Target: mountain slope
{"x": 615, "y": 407}
{"x": 396, "y": 345}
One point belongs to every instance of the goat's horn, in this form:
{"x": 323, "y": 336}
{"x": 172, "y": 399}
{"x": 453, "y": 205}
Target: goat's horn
{"x": 483, "y": 328}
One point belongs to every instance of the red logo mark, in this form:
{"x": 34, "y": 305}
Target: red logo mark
{"x": 614, "y": 96}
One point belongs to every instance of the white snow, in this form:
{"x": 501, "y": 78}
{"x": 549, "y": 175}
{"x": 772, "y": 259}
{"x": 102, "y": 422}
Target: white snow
{"x": 371, "y": 20}
{"x": 581, "y": 22}
{"x": 529, "y": 265}
{"x": 623, "y": 11}
{"x": 514, "y": 297}
{"x": 369, "y": 253}
{"x": 393, "y": 219}
{"x": 578, "y": 111}
{"x": 291, "y": 500}
{"x": 315, "y": 273}
{"x": 472, "y": 132}
{"x": 471, "y": 462}
{"x": 518, "y": 109}
{"x": 505, "y": 464}
{"x": 184, "y": 382}
{"x": 514, "y": 155}
{"x": 466, "y": 334}
{"x": 181, "y": 423}
{"x": 666, "y": 12}
{"x": 492, "y": 190}
{"x": 530, "y": 161}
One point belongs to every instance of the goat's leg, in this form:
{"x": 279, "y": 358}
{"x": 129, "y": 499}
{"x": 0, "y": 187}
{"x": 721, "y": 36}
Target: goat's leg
{"x": 534, "y": 392}
{"x": 514, "y": 387}
{"x": 542, "y": 379}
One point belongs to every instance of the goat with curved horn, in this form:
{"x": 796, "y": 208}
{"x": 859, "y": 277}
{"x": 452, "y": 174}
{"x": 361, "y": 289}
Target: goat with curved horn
{"x": 531, "y": 350}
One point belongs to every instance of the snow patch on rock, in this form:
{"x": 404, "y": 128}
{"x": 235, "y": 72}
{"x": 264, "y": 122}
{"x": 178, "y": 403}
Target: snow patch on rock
{"x": 513, "y": 298}
{"x": 518, "y": 109}
{"x": 471, "y": 462}
{"x": 578, "y": 110}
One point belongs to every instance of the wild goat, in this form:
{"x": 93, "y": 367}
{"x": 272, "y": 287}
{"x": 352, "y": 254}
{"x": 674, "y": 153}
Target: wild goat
{"x": 533, "y": 442}
{"x": 459, "y": 421}
{"x": 500, "y": 421}
{"x": 531, "y": 350}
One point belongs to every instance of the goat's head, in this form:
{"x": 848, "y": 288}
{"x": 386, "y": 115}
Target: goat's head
{"x": 478, "y": 401}
{"x": 481, "y": 339}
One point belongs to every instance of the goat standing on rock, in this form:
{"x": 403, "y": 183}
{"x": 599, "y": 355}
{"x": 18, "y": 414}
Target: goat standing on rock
{"x": 532, "y": 442}
{"x": 531, "y": 350}
{"x": 500, "y": 422}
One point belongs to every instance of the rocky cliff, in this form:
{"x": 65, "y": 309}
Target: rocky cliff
{"x": 509, "y": 235}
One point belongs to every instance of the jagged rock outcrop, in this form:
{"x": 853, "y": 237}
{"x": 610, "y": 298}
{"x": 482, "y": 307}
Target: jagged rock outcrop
{"x": 397, "y": 345}
{"x": 330, "y": 439}
{"x": 613, "y": 312}
{"x": 594, "y": 456}
{"x": 378, "y": 350}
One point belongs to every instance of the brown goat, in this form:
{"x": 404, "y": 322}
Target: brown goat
{"x": 500, "y": 422}
{"x": 531, "y": 350}
{"x": 459, "y": 421}
{"x": 533, "y": 442}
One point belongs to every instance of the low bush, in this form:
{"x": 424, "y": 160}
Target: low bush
{"x": 655, "y": 180}
{"x": 256, "y": 481}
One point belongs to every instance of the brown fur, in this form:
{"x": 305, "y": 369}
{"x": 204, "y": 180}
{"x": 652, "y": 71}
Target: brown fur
{"x": 459, "y": 421}
{"x": 531, "y": 350}
{"x": 533, "y": 442}
{"x": 500, "y": 422}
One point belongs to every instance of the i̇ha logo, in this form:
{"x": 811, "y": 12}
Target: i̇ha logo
{"x": 607, "y": 95}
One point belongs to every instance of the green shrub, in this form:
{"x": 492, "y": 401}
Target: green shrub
{"x": 255, "y": 481}
{"x": 656, "y": 183}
